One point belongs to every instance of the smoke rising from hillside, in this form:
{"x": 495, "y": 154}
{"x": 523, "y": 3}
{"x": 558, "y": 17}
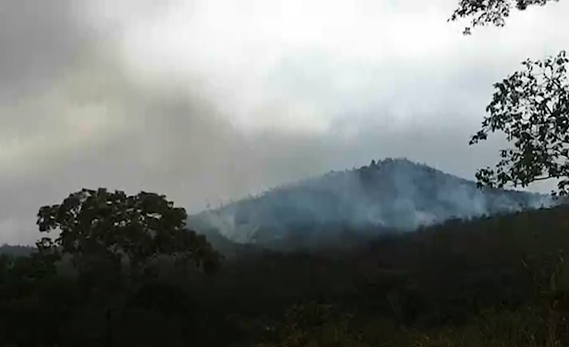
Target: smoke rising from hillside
{"x": 392, "y": 194}
{"x": 206, "y": 101}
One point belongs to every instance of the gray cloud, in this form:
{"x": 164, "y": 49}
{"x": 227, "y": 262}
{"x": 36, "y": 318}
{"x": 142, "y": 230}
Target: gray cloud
{"x": 38, "y": 40}
{"x": 85, "y": 116}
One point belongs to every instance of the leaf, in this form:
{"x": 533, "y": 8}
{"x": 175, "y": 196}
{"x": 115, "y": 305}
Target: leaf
{"x": 530, "y": 108}
{"x": 97, "y": 224}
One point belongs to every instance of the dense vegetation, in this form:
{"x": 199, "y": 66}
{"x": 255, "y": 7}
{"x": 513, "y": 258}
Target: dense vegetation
{"x": 125, "y": 270}
{"x": 497, "y": 281}
{"x": 385, "y": 195}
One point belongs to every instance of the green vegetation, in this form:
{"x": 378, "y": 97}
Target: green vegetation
{"x": 499, "y": 281}
{"x": 483, "y": 12}
{"x": 104, "y": 267}
{"x": 125, "y": 271}
{"x": 388, "y": 194}
{"x": 530, "y": 107}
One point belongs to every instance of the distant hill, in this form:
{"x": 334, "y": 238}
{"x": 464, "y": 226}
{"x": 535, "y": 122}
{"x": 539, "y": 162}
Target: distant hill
{"x": 389, "y": 195}
{"x": 16, "y": 250}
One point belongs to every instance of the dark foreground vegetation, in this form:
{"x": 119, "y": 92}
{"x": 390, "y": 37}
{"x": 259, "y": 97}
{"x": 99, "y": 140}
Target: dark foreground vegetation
{"x": 125, "y": 271}
{"x": 498, "y": 281}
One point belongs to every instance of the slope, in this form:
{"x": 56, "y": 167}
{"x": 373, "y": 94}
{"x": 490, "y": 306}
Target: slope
{"x": 392, "y": 194}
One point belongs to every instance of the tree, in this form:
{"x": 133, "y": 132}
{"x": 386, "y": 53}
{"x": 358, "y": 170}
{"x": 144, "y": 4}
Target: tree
{"x": 495, "y": 12}
{"x": 102, "y": 229}
{"x": 531, "y": 107}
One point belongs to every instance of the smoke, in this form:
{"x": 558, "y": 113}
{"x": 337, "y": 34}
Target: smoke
{"x": 210, "y": 100}
{"x": 394, "y": 194}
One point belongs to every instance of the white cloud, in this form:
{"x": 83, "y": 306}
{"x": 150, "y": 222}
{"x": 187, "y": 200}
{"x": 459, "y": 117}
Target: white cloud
{"x": 318, "y": 60}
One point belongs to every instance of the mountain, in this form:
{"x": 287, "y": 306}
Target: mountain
{"x": 386, "y": 196}
{"x": 16, "y": 250}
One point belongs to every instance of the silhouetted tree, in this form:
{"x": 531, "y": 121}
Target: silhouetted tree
{"x": 102, "y": 230}
{"x": 532, "y": 108}
{"x": 495, "y": 12}
{"x": 99, "y": 227}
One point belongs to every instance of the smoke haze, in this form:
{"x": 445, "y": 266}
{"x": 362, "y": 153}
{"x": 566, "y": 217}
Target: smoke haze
{"x": 392, "y": 194}
{"x": 208, "y": 101}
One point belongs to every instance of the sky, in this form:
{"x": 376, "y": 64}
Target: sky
{"x": 211, "y": 100}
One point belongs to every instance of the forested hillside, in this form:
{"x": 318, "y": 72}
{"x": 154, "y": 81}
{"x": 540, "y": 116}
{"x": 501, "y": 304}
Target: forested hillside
{"x": 392, "y": 194}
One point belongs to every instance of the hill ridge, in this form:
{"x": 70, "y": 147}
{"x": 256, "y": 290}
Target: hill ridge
{"x": 389, "y": 194}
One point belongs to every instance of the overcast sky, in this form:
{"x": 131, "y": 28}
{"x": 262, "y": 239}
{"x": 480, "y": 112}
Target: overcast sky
{"x": 210, "y": 100}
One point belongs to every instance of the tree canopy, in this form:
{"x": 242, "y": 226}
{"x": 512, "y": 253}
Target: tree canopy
{"x": 98, "y": 225}
{"x": 530, "y": 106}
{"x": 483, "y": 12}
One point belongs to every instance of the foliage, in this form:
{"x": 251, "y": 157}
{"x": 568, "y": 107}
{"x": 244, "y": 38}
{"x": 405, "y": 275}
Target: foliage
{"x": 532, "y": 108}
{"x": 99, "y": 233}
{"x": 461, "y": 283}
{"x": 494, "y": 12}
{"x": 389, "y": 194}
{"x": 99, "y": 227}
{"x": 495, "y": 329}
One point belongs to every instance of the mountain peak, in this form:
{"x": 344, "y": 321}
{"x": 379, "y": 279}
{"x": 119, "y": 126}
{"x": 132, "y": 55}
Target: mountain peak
{"x": 393, "y": 193}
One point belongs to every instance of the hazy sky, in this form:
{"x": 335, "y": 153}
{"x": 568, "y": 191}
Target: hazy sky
{"x": 207, "y": 100}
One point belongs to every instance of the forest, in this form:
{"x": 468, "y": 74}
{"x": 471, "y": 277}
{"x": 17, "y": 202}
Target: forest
{"x": 111, "y": 269}
{"x": 491, "y": 281}
{"x": 386, "y": 195}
